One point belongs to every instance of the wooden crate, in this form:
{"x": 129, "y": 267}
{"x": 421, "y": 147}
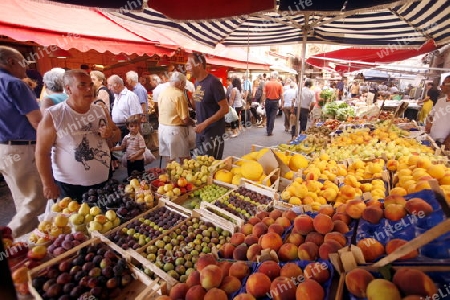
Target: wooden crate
{"x": 179, "y": 201}
{"x": 142, "y": 287}
{"x": 212, "y": 211}
{"x": 139, "y": 254}
{"x": 162, "y": 202}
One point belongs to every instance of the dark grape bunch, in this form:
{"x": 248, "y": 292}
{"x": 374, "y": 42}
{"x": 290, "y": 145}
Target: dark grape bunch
{"x": 95, "y": 272}
{"x": 139, "y": 232}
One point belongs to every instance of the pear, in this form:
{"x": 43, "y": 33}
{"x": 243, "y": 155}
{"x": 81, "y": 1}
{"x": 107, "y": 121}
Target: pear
{"x": 111, "y": 215}
{"x": 84, "y": 209}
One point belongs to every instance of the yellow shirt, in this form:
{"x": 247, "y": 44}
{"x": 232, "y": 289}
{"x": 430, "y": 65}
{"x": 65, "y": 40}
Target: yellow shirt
{"x": 425, "y": 110}
{"x": 173, "y": 107}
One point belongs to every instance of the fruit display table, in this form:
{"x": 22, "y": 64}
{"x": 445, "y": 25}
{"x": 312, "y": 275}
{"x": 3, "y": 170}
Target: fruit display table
{"x": 286, "y": 221}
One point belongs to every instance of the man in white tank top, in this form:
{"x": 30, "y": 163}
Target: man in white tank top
{"x": 76, "y": 133}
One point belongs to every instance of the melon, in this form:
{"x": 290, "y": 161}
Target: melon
{"x": 297, "y": 162}
{"x": 252, "y": 170}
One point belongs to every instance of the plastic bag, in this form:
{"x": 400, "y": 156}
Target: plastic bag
{"x": 148, "y": 158}
{"x": 261, "y": 111}
{"x": 231, "y": 116}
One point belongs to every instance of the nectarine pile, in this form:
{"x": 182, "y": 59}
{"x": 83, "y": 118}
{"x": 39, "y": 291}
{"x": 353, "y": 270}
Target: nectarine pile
{"x": 410, "y": 282}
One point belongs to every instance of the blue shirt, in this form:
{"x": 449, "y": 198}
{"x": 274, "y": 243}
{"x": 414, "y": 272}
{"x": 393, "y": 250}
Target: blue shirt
{"x": 141, "y": 92}
{"x": 208, "y": 93}
{"x": 57, "y": 98}
{"x": 16, "y": 101}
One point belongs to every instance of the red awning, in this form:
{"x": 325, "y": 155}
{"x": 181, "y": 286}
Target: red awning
{"x": 207, "y": 9}
{"x": 69, "y": 27}
{"x": 369, "y": 55}
{"x": 218, "y": 61}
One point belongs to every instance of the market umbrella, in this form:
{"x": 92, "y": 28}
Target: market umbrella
{"x": 379, "y": 55}
{"x": 368, "y": 23}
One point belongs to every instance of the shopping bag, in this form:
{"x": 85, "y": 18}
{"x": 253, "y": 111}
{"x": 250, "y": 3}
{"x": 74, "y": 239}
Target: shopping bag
{"x": 261, "y": 111}
{"x": 148, "y": 158}
{"x": 231, "y": 116}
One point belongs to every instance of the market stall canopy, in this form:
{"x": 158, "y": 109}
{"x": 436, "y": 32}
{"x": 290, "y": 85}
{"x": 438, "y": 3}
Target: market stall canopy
{"x": 68, "y": 27}
{"x": 220, "y": 55}
{"x": 183, "y": 10}
{"x": 401, "y": 23}
{"x": 370, "y": 55}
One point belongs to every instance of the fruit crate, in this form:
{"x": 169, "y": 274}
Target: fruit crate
{"x": 426, "y": 240}
{"x": 269, "y": 164}
{"x": 185, "y": 198}
{"x": 215, "y": 212}
{"x": 172, "y": 207}
{"x": 321, "y": 270}
{"x": 249, "y": 185}
{"x": 140, "y": 286}
{"x": 141, "y": 255}
{"x": 438, "y": 274}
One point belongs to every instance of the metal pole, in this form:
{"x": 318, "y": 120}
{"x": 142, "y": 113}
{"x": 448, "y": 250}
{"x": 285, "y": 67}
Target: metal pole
{"x": 305, "y": 30}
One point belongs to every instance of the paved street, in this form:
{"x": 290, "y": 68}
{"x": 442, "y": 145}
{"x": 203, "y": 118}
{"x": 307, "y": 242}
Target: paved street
{"x": 233, "y": 147}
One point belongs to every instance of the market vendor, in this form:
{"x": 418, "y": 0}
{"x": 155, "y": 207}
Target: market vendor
{"x": 437, "y": 124}
{"x": 72, "y": 153}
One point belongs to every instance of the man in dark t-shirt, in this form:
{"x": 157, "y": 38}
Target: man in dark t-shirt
{"x": 432, "y": 92}
{"x": 211, "y": 107}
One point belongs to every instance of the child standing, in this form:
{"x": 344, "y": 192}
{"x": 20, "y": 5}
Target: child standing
{"x": 134, "y": 145}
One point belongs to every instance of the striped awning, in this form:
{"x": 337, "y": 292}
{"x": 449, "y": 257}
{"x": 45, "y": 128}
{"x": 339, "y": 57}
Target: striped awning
{"x": 402, "y": 24}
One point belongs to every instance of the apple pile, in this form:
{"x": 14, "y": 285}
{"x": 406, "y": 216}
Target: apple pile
{"x": 65, "y": 242}
{"x": 95, "y": 272}
{"x": 140, "y": 232}
{"x": 66, "y": 206}
{"x": 12, "y": 248}
{"x": 50, "y": 229}
{"x": 169, "y": 189}
{"x": 151, "y": 174}
{"x": 409, "y": 282}
{"x": 177, "y": 252}
{"x": 196, "y": 171}
{"x": 243, "y": 202}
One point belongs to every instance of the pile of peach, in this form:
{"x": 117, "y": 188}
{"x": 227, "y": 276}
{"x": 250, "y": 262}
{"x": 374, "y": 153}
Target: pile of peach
{"x": 223, "y": 280}
{"x": 287, "y": 282}
{"x": 394, "y": 209}
{"x": 406, "y": 282}
{"x": 211, "y": 280}
{"x": 309, "y": 239}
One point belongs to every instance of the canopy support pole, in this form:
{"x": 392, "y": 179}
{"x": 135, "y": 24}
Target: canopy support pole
{"x": 305, "y": 30}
